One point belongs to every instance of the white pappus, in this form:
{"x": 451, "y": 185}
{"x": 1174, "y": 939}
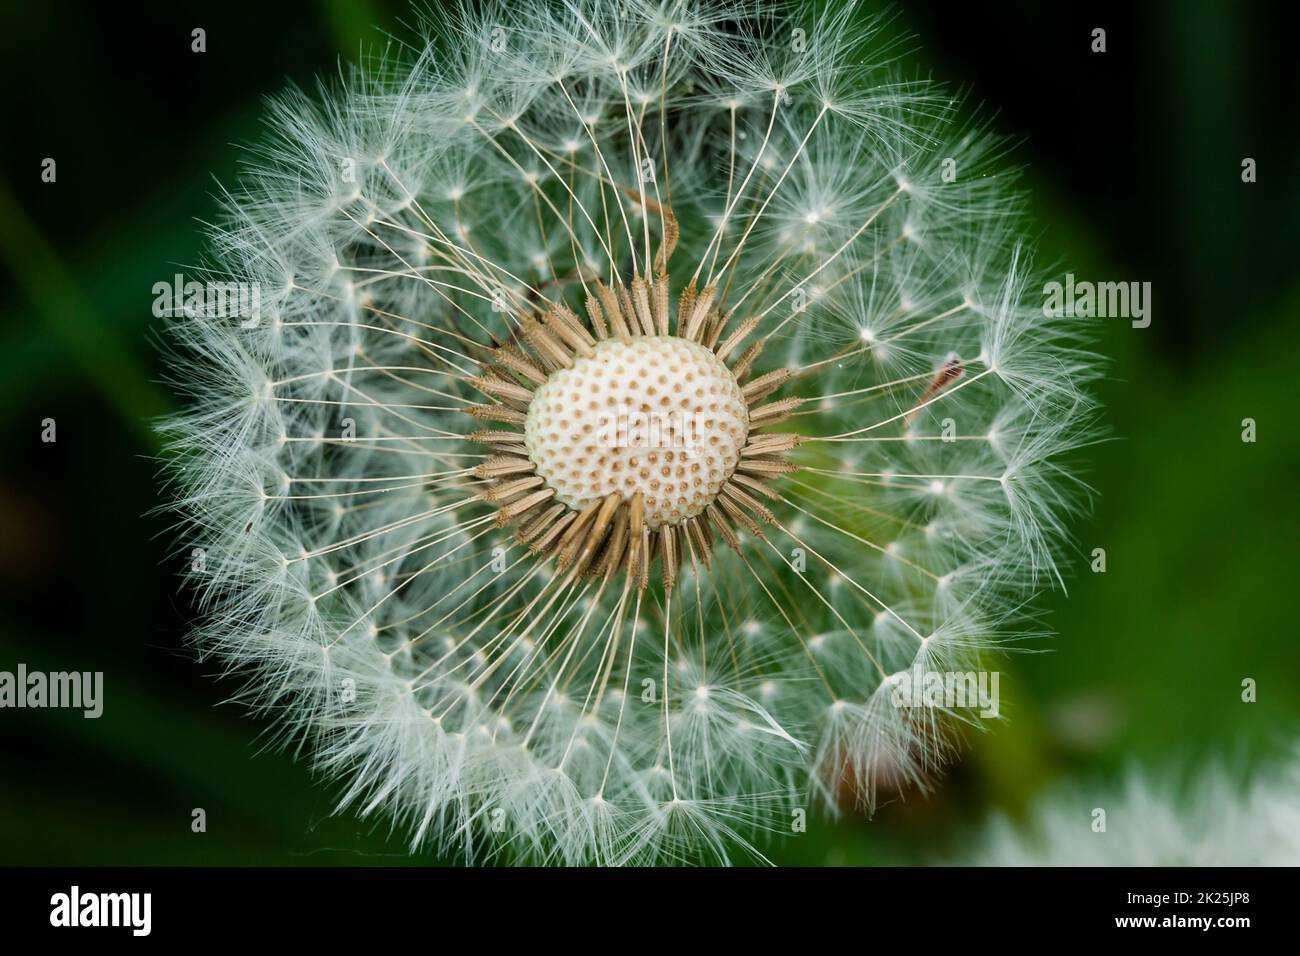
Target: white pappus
{"x": 527, "y": 642}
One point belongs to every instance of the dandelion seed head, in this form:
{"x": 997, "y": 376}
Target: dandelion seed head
{"x": 1219, "y": 815}
{"x": 524, "y": 639}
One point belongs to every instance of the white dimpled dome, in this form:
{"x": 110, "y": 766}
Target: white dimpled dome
{"x": 658, "y": 414}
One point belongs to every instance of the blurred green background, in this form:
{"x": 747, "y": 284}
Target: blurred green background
{"x": 1133, "y": 158}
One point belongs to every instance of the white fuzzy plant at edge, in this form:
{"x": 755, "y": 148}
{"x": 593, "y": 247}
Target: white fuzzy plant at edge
{"x": 1218, "y": 816}
{"x": 634, "y": 402}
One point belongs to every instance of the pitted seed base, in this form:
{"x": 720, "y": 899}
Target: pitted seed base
{"x": 658, "y": 415}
